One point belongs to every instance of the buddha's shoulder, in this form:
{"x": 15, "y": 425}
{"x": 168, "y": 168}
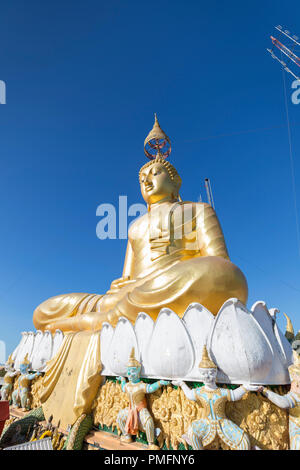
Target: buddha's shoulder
{"x": 141, "y": 223}
{"x": 196, "y": 204}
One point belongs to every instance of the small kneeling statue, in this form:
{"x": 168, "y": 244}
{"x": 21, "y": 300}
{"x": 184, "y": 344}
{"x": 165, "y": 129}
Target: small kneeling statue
{"x": 137, "y": 417}
{"x": 20, "y": 396}
{"x": 213, "y": 399}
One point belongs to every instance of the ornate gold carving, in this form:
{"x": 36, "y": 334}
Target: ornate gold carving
{"x": 109, "y": 401}
{"x": 265, "y": 423}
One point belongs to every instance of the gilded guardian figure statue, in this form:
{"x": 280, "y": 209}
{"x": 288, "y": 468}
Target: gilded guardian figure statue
{"x": 176, "y": 255}
{"x": 20, "y": 395}
{"x": 137, "y": 417}
{"x": 213, "y": 399}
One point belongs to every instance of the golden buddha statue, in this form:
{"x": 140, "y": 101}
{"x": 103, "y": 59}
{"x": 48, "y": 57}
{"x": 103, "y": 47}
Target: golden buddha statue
{"x": 176, "y": 255}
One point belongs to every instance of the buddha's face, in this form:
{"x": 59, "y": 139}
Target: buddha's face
{"x": 156, "y": 184}
{"x": 208, "y": 376}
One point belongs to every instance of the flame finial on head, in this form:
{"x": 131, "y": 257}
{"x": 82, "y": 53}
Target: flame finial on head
{"x": 26, "y": 360}
{"x": 206, "y": 362}
{"x": 10, "y": 360}
{"x": 132, "y": 360}
{"x": 157, "y": 143}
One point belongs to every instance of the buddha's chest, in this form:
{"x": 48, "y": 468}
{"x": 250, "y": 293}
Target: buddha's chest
{"x": 167, "y": 222}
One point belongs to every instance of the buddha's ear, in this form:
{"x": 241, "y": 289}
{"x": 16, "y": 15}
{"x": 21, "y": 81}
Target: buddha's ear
{"x": 177, "y": 182}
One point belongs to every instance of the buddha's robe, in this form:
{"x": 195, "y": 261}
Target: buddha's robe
{"x": 176, "y": 255}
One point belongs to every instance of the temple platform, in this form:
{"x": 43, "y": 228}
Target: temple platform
{"x": 94, "y": 440}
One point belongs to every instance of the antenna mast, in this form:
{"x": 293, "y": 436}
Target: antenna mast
{"x": 209, "y": 193}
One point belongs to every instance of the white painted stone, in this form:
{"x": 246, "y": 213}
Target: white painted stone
{"x": 124, "y": 339}
{"x": 106, "y": 336}
{"x": 171, "y": 353}
{"x": 143, "y": 328}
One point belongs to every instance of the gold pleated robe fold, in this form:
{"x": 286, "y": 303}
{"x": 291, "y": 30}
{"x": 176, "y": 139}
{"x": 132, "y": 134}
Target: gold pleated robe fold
{"x": 72, "y": 378}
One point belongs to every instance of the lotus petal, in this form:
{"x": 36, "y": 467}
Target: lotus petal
{"x": 171, "y": 352}
{"x": 198, "y": 321}
{"x": 143, "y": 327}
{"x": 239, "y": 346}
{"x": 20, "y": 356}
{"x": 123, "y": 341}
{"x": 36, "y": 347}
{"x": 281, "y": 348}
{"x": 45, "y": 351}
{"x": 28, "y": 346}
{"x": 19, "y": 347}
{"x": 284, "y": 344}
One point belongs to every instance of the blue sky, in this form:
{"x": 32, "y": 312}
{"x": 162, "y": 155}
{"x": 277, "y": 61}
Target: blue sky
{"x": 83, "y": 81}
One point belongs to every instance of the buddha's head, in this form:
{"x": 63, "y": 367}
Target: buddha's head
{"x": 159, "y": 181}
